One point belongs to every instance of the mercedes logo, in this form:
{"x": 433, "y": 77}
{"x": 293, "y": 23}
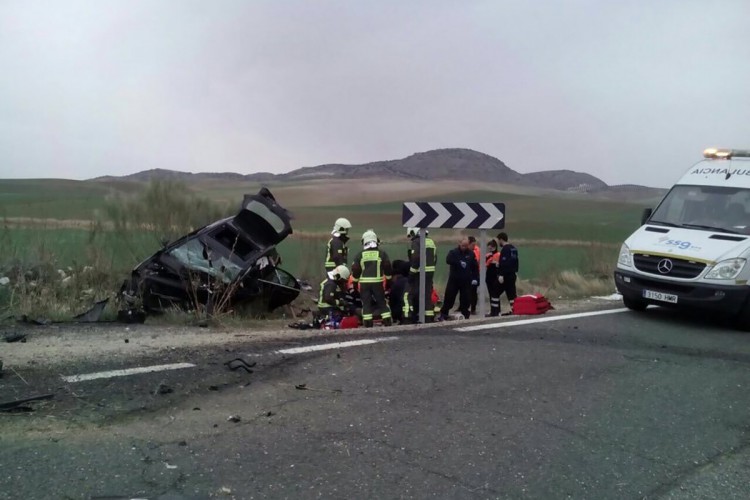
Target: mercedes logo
{"x": 664, "y": 266}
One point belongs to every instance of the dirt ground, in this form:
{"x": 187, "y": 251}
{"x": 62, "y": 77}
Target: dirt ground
{"x": 65, "y": 343}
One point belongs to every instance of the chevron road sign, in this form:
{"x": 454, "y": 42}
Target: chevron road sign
{"x": 454, "y": 215}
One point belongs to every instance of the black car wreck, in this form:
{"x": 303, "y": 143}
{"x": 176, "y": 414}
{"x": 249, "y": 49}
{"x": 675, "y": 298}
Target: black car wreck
{"x": 231, "y": 262}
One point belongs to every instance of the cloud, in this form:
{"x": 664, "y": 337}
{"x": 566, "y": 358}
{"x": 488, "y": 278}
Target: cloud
{"x": 630, "y": 92}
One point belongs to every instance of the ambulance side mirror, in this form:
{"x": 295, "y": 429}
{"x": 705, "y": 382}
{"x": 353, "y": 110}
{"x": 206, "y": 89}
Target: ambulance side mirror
{"x": 646, "y": 215}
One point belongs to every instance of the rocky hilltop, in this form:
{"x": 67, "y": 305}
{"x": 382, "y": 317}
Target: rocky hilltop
{"x": 435, "y": 165}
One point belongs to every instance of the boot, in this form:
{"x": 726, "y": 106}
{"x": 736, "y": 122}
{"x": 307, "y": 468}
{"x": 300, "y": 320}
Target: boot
{"x": 368, "y": 323}
{"x": 387, "y": 322}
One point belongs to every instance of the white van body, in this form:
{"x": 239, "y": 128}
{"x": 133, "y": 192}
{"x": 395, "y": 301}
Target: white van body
{"x": 692, "y": 251}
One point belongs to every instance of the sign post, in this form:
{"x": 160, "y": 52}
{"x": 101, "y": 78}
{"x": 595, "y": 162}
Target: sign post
{"x": 450, "y": 215}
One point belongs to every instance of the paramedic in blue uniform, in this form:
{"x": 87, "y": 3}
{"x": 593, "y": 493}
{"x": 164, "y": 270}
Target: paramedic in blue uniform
{"x": 507, "y": 269}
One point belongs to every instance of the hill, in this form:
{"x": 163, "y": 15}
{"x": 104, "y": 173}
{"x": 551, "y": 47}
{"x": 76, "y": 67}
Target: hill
{"x": 436, "y": 165}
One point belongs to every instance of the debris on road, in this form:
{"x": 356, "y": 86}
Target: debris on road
{"x": 15, "y": 337}
{"x": 163, "y": 388}
{"x": 94, "y": 314}
{"x": 238, "y": 363}
{"x": 20, "y": 403}
{"x": 234, "y": 418}
{"x": 229, "y": 262}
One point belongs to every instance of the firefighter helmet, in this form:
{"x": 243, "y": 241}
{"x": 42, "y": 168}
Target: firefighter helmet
{"x": 369, "y": 236}
{"x": 341, "y": 226}
{"x": 414, "y": 231}
{"x": 340, "y": 272}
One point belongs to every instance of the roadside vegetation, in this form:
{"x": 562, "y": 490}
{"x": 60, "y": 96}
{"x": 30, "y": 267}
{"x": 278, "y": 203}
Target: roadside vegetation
{"x": 63, "y": 248}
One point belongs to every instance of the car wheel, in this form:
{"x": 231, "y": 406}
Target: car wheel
{"x": 634, "y": 304}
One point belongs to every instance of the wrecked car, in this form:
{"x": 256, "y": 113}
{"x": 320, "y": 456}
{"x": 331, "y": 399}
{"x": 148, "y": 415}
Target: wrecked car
{"x": 228, "y": 263}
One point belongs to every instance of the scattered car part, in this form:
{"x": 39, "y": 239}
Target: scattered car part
{"x": 12, "y": 405}
{"x": 15, "y": 337}
{"x": 238, "y": 363}
{"x": 94, "y": 314}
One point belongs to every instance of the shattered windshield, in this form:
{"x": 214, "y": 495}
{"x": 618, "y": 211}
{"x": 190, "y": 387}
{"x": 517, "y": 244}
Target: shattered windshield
{"x": 191, "y": 255}
{"x": 710, "y": 208}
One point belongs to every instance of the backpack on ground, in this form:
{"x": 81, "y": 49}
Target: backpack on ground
{"x": 531, "y": 304}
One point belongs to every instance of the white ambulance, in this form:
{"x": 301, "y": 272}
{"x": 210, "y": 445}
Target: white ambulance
{"x": 692, "y": 251}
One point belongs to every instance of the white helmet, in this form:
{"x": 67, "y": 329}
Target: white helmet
{"x": 340, "y": 272}
{"x": 341, "y": 226}
{"x": 414, "y": 231}
{"x": 369, "y": 236}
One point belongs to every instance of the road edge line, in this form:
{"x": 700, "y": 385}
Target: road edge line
{"x": 520, "y": 322}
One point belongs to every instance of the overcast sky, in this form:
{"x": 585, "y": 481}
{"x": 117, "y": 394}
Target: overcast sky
{"x": 628, "y": 90}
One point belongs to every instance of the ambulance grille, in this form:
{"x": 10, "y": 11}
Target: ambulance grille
{"x": 668, "y": 266}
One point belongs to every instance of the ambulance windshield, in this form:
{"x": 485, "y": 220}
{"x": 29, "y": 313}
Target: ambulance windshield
{"x": 710, "y": 208}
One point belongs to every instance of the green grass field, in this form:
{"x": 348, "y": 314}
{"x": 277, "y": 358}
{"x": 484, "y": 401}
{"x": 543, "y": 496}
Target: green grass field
{"x": 45, "y": 223}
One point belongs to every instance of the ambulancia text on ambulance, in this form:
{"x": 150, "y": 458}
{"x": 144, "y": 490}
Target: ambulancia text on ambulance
{"x": 692, "y": 251}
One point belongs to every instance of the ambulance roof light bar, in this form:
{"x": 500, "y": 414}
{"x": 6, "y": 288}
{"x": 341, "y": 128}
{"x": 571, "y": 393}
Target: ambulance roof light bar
{"x": 725, "y": 154}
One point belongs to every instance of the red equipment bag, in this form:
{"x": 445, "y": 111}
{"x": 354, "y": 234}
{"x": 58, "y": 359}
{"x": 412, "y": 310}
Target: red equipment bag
{"x": 349, "y": 322}
{"x": 531, "y": 304}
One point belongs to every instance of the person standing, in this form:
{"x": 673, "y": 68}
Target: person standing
{"x": 507, "y": 269}
{"x": 414, "y": 234}
{"x": 475, "y": 283}
{"x": 337, "y": 251}
{"x": 492, "y": 277}
{"x": 369, "y": 268}
{"x": 463, "y": 268}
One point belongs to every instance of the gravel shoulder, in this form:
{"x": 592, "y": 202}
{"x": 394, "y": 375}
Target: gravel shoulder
{"x": 60, "y": 344}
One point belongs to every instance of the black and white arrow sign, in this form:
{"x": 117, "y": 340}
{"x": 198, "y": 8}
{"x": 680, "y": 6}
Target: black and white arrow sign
{"x": 454, "y": 215}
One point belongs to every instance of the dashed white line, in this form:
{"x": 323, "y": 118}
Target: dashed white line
{"x": 505, "y": 324}
{"x": 334, "y": 345}
{"x": 125, "y": 372}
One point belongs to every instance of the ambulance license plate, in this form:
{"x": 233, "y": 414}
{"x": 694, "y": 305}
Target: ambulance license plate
{"x": 661, "y": 297}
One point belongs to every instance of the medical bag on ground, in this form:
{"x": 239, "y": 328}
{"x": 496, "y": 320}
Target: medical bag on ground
{"x": 348, "y": 322}
{"x": 531, "y": 304}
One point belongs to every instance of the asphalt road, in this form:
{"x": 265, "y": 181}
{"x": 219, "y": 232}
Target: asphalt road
{"x": 623, "y": 405}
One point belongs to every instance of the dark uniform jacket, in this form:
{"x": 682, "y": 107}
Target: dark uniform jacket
{"x": 508, "y": 260}
{"x": 371, "y": 265}
{"x": 463, "y": 265}
{"x": 330, "y": 294}
{"x": 336, "y": 253}
{"x": 430, "y": 250}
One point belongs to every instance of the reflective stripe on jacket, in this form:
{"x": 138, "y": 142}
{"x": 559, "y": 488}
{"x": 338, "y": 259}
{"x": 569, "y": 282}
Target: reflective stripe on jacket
{"x": 371, "y": 266}
{"x": 336, "y": 253}
{"x": 430, "y": 250}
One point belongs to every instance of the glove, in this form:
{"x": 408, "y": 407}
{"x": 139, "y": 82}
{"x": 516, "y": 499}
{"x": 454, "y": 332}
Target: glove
{"x": 474, "y": 282}
{"x": 500, "y": 280}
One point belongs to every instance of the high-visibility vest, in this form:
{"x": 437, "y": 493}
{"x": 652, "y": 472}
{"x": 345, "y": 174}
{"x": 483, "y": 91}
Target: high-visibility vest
{"x": 341, "y": 249}
{"x": 430, "y": 250}
{"x": 371, "y": 263}
{"x": 322, "y": 304}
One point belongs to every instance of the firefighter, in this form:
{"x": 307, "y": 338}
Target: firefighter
{"x": 414, "y": 234}
{"x": 369, "y": 268}
{"x": 491, "y": 277}
{"x": 332, "y": 290}
{"x": 336, "y": 251}
{"x": 398, "y": 300}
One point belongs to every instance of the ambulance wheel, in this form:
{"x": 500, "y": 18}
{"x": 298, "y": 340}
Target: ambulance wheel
{"x": 634, "y": 304}
{"x": 742, "y": 320}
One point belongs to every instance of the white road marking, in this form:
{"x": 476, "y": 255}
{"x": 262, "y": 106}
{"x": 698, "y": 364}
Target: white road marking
{"x": 335, "y": 345}
{"x": 125, "y": 372}
{"x": 538, "y": 320}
